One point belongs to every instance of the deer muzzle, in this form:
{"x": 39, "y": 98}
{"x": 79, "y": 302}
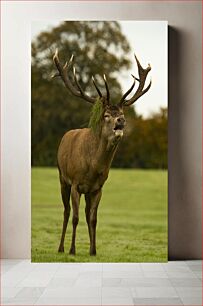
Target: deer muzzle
{"x": 119, "y": 126}
{"x": 118, "y": 133}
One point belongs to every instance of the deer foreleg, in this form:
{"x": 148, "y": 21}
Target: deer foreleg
{"x": 65, "y": 193}
{"x": 87, "y": 211}
{"x": 75, "y": 197}
{"x": 94, "y": 202}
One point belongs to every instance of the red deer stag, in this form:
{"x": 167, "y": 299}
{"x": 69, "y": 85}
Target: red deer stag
{"x": 85, "y": 156}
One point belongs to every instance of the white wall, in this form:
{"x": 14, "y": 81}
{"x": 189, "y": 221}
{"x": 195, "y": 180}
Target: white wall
{"x": 184, "y": 110}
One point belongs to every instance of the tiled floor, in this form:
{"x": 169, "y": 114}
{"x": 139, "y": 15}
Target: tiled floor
{"x": 173, "y": 283}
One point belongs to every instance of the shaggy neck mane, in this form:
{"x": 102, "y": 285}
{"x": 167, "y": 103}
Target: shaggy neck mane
{"x": 96, "y": 117}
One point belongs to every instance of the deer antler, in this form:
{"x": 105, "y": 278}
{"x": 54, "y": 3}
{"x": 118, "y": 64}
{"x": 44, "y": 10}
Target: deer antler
{"x": 63, "y": 73}
{"x": 142, "y": 78}
{"x": 77, "y": 91}
{"x": 98, "y": 90}
{"x": 107, "y": 89}
{"x": 127, "y": 93}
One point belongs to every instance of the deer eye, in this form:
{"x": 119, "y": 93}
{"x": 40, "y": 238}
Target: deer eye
{"x": 106, "y": 116}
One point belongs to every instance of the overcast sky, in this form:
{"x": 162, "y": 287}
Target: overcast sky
{"x": 148, "y": 39}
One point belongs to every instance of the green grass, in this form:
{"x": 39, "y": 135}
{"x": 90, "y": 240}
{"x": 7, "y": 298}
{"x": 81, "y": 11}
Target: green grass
{"x": 132, "y": 219}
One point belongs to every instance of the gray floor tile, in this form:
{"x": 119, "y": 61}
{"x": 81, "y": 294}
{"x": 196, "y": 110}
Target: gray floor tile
{"x": 192, "y": 301}
{"x": 185, "y": 282}
{"x": 177, "y": 268}
{"x": 40, "y": 276}
{"x": 6, "y": 268}
{"x": 179, "y": 274}
{"x": 73, "y": 292}
{"x": 67, "y": 273}
{"x": 4, "y": 301}
{"x": 115, "y": 292}
{"x": 157, "y": 301}
{"x": 147, "y": 282}
{"x": 32, "y": 281}
{"x": 117, "y": 301}
{"x": 69, "y": 301}
{"x": 61, "y": 282}
{"x": 198, "y": 274}
{"x": 121, "y": 266}
{"x": 153, "y": 292}
{"x": 193, "y": 262}
{"x": 88, "y": 283}
{"x": 9, "y": 292}
{"x": 196, "y": 268}
{"x": 170, "y": 283}
{"x": 152, "y": 267}
{"x": 15, "y": 275}
{"x": 90, "y": 274}
{"x": 155, "y": 274}
{"x": 87, "y": 267}
{"x": 21, "y": 301}
{"x": 120, "y": 270}
{"x": 122, "y": 274}
{"x": 29, "y": 292}
{"x": 89, "y": 279}
{"x": 189, "y": 291}
{"x": 175, "y": 263}
{"x": 112, "y": 282}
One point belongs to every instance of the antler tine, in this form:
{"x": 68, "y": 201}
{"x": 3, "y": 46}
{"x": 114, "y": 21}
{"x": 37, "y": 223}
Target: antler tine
{"x": 142, "y": 92}
{"x": 140, "y": 68}
{"x": 97, "y": 88}
{"x": 79, "y": 87}
{"x": 127, "y": 92}
{"x": 56, "y": 61}
{"x": 63, "y": 73}
{"x": 142, "y": 78}
{"x": 77, "y": 83}
{"x": 107, "y": 89}
{"x": 135, "y": 78}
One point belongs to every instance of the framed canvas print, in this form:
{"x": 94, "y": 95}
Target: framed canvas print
{"x": 99, "y": 141}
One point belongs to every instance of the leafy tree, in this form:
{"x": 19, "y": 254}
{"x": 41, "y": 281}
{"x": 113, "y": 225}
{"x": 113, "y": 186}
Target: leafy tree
{"x": 99, "y": 47}
{"x": 145, "y": 145}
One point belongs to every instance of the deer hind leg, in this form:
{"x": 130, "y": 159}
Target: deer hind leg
{"x": 75, "y": 197}
{"x": 94, "y": 202}
{"x": 87, "y": 210}
{"x": 65, "y": 194}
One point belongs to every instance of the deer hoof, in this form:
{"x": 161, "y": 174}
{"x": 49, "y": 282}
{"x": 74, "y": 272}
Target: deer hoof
{"x": 61, "y": 249}
{"x": 72, "y": 251}
{"x": 93, "y": 253}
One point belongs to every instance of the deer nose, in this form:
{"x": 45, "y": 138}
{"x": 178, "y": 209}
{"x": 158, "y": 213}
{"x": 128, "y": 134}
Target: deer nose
{"x": 120, "y": 120}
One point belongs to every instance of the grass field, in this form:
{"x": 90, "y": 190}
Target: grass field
{"x": 132, "y": 219}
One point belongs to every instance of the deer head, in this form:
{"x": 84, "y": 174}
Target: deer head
{"x": 111, "y": 119}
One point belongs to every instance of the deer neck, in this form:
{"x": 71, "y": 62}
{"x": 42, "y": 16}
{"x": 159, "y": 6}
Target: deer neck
{"x": 105, "y": 150}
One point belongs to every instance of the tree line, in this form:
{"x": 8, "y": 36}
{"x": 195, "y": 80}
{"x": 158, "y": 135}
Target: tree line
{"x": 54, "y": 110}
